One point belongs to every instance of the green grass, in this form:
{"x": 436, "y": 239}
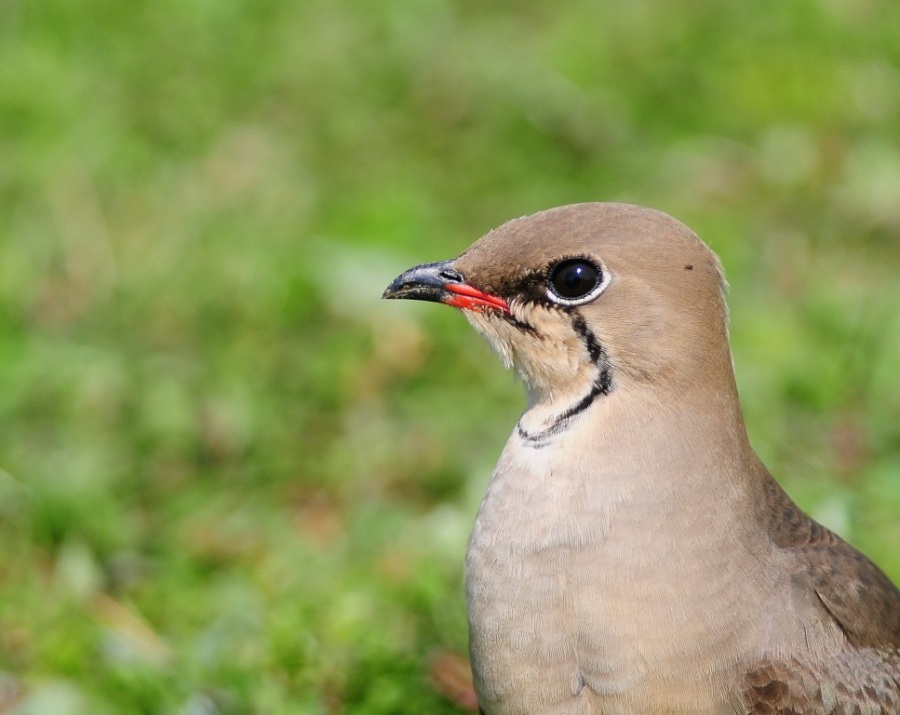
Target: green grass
{"x": 233, "y": 481}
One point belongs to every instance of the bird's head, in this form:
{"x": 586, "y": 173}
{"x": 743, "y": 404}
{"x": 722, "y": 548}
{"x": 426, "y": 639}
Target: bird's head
{"x": 607, "y": 294}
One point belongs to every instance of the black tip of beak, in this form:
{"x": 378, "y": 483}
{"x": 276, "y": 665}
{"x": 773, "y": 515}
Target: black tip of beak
{"x": 425, "y": 282}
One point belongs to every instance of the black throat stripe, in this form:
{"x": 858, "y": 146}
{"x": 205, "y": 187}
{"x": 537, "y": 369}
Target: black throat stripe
{"x": 602, "y": 385}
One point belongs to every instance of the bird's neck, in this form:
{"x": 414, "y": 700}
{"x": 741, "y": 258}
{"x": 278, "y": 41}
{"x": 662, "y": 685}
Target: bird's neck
{"x": 605, "y": 405}
{"x": 640, "y": 508}
{"x": 684, "y": 450}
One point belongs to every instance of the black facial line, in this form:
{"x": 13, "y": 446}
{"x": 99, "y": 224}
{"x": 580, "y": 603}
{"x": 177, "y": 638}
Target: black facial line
{"x": 523, "y": 327}
{"x": 593, "y": 346}
{"x": 531, "y": 286}
{"x": 526, "y": 288}
{"x": 601, "y": 386}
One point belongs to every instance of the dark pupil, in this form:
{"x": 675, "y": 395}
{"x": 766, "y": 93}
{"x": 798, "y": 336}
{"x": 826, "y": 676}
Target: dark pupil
{"x": 574, "y": 279}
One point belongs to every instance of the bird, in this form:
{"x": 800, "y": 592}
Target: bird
{"x": 632, "y": 554}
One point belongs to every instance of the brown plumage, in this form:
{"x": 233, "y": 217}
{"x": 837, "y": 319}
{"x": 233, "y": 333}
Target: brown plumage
{"x": 632, "y": 555}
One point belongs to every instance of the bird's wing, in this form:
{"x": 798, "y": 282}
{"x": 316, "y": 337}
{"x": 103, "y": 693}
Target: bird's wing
{"x": 853, "y": 594}
{"x": 852, "y": 590}
{"x": 828, "y": 688}
{"x": 772, "y": 688}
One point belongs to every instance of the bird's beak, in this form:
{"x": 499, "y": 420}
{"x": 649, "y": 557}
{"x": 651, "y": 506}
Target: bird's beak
{"x": 441, "y": 283}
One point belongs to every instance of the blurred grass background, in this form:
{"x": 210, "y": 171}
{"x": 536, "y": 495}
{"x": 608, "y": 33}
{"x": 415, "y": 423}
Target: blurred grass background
{"x": 231, "y": 479}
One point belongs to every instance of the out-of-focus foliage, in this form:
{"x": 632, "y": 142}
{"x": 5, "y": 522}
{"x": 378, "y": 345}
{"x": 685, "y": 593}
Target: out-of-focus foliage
{"x": 231, "y": 479}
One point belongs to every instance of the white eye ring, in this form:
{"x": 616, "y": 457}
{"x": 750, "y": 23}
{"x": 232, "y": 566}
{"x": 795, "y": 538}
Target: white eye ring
{"x": 576, "y": 281}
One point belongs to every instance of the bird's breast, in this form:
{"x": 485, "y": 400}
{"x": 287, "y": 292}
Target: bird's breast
{"x": 582, "y": 591}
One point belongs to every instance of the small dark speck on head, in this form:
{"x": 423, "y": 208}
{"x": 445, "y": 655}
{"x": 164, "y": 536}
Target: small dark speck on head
{"x": 689, "y": 267}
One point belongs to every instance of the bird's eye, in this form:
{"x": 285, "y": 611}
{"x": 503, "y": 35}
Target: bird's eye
{"x": 575, "y": 281}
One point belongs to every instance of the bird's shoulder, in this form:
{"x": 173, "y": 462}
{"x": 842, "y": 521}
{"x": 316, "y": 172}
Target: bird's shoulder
{"x": 852, "y": 592}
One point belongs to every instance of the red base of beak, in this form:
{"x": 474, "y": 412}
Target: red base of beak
{"x": 469, "y": 298}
